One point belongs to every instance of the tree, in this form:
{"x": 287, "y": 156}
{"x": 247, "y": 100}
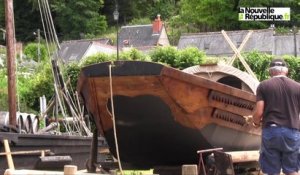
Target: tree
{"x": 166, "y": 8}
{"x": 216, "y": 15}
{"x": 209, "y": 15}
{"x": 2, "y": 17}
{"x": 27, "y": 20}
{"x": 133, "y": 10}
{"x": 2, "y": 23}
{"x": 79, "y": 18}
{"x": 295, "y": 13}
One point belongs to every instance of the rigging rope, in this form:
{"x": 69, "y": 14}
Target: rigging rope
{"x": 44, "y": 29}
{"x": 63, "y": 95}
{"x": 113, "y": 119}
{"x": 52, "y": 24}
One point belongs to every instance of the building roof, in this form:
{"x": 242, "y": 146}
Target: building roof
{"x": 214, "y": 43}
{"x": 138, "y": 36}
{"x": 75, "y": 50}
{"x": 142, "y": 36}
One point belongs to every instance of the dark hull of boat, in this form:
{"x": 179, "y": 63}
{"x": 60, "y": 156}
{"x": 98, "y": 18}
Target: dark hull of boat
{"x": 149, "y": 136}
{"x": 77, "y": 147}
{"x": 163, "y": 116}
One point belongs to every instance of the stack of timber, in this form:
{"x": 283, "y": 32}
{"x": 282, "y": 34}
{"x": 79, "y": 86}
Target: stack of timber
{"x": 164, "y": 115}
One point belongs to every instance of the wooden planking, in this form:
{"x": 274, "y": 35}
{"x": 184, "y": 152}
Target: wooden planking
{"x": 103, "y": 118}
{"x": 128, "y": 85}
{"x": 189, "y": 97}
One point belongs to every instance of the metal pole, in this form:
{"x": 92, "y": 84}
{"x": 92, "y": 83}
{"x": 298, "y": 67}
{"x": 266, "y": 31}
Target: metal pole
{"x": 11, "y": 69}
{"x": 118, "y": 40}
{"x": 39, "y": 42}
{"x": 295, "y": 40}
{"x": 116, "y": 18}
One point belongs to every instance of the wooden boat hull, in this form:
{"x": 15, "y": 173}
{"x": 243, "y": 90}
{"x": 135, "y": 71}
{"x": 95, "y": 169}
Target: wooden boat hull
{"x": 77, "y": 147}
{"x": 163, "y": 115}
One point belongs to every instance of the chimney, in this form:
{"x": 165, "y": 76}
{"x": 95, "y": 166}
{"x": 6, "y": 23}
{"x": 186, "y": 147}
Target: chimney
{"x": 157, "y": 25}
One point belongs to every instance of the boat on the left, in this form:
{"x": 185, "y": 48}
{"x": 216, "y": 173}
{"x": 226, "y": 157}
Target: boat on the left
{"x": 33, "y": 148}
{"x": 27, "y": 150}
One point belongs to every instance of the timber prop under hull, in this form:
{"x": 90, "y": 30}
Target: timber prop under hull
{"x": 163, "y": 115}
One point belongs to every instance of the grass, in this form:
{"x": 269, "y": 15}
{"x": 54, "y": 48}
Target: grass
{"x": 136, "y": 172}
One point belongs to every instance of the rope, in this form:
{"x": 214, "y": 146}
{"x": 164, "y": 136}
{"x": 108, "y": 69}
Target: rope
{"x": 113, "y": 118}
{"x": 44, "y": 28}
{"x": 52, "y": 25}
{"x": 63, "y": 95}
{"x": 60, "y": 104}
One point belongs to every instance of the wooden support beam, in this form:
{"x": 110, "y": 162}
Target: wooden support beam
{"x": 8, "y": 155}
{"x": 42, "y": 152}
{"x": 240, "y": 47}
{"x": 209, "y": 150}
{"x": 244, "y": 156}
{"x": 239, "y": 55}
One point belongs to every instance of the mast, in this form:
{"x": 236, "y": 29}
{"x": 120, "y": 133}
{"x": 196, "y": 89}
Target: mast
{"x": 10, "y": 54}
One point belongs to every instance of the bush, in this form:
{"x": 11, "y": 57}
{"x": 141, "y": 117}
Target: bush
{"x": 96, "y": 58}
{"x": 188, "y": 57}
{"x": 31, "y": 52}
{"x": 258, "y": 62}
{"x": 71, "y": 73}
{"x": 294, "y": 66}
{"x": 3, "y": 90}
{"x": 134, "y": 54}
{"x": 39, "y": 84}
{"x": 165, "y": 55}
{"x": 180, "y": 59}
